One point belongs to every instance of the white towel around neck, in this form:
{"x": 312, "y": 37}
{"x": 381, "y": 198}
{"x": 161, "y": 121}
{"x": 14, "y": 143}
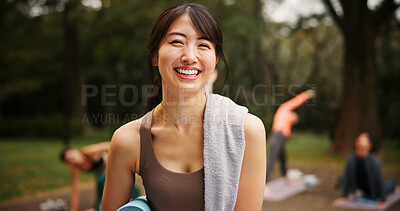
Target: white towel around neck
{"x": 224, "y": 145}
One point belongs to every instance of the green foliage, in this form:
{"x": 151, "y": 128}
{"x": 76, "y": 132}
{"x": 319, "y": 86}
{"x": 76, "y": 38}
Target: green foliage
{"x": 110, "y": 49}
{"x": 38, "y": 126}
{"x": 389, "y": 89}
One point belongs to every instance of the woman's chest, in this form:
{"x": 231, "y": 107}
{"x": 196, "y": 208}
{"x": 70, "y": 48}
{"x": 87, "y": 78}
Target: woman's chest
{"x": 179, "y": 152}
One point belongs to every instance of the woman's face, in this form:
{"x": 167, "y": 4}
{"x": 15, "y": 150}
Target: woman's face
{"x": 185, "y": 60}
{"x": 74, "y": 157}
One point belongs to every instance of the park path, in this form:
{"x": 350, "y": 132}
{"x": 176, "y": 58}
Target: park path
{"x": 323, "y": 195}
{"x": 319, "y": 199}
{"x": 32, "y": 203}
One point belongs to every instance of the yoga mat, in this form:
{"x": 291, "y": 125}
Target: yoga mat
{"x": 281, "y": 190}
{"x": 139, "y": 204}
{"x": 358, "y": 205}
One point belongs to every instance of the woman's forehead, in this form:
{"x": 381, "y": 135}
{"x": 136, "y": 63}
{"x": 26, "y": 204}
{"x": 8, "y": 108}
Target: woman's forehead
{"x": 183, "y": 26}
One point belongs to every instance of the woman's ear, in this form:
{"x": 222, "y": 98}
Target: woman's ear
{"x": 216, "y": 62}
{"x": 154, "y": 61}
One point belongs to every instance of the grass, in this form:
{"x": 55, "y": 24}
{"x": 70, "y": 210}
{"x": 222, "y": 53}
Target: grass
{"x": 29, "y": 166}
{"x": 306, "y": 147}
{"x": 310, "y": 147}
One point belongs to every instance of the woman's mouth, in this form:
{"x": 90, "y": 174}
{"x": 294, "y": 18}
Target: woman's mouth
{"x": 187, "y": 74}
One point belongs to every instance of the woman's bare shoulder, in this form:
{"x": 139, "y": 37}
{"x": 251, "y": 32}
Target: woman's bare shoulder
{"x": 128, "y": 132}
{"x": 254, "y": 128}
{"x": 126, "y": 139}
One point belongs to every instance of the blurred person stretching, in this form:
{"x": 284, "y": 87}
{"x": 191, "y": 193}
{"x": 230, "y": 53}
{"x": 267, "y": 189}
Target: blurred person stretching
{"x": 363, "y": 172}
{"x": 92, "y": 159}
{"x": 282, "y": 124}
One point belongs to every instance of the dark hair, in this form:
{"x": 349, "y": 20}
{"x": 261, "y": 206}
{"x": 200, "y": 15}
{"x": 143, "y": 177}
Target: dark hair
{"x": 63, "y": 152}
{"x": 206, "y": 24}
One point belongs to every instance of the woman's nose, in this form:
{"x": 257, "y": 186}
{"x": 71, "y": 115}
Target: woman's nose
{"x": 189, "y": 55}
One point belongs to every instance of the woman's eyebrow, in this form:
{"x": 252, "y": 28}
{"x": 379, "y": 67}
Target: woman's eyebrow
{"x": 176, "y": 33}
{"x": 203, "y": 38}
{"x": 183, "y": 35}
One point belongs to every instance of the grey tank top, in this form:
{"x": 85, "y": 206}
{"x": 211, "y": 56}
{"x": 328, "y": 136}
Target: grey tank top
{"x": 165, "y": 189}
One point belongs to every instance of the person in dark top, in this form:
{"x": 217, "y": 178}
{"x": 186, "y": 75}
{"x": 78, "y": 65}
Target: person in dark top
{"x": 363, "y": 172}
{"x": 362, "y": 182}
{"x": 88, "y": 159}
{"x": 184, "y": 47}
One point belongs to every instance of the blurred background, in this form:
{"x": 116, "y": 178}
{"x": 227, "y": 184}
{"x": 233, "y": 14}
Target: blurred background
{"x": 72, "y": 71}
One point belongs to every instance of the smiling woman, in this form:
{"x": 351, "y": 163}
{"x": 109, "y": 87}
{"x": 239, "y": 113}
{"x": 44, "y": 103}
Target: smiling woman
{"x": 201, "y": 25}
{"x": 175, "y": 147}
{"x": 186, "y": 54}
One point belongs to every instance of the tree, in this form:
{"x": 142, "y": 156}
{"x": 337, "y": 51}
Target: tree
{"x": 360, "y": 27}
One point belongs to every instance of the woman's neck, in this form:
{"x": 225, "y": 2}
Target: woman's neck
{"x": 181, "y": 109}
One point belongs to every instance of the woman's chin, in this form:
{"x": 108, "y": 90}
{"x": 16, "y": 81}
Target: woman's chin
{"x": 184, "y": 87}
{"x": 189, "y": 88}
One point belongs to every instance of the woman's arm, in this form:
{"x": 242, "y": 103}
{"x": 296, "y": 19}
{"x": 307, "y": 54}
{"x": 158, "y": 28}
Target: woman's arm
{"x": 123, "y": 161}
{"x": 96, "y": 148}
{"x": 252, "y": 177}
{"x": 298, "y": 100}
{"x": 75, "y": 177}
{"x": 345, "y": 186}
{"x": 347, "y": 177}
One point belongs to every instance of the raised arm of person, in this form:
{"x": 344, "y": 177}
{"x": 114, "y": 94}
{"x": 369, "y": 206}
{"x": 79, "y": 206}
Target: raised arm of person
{"x": 75, "y": 177}
{"x": 298, "y": 100}
{"x": 122, "y": 164}
{"x": 96, "y": 148}
{"x": 252, "y": 177}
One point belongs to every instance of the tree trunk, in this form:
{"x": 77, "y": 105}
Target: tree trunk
{"x": 73, "y": 75}
{"x": 66, "y": 88}
{"x": 359, "y": 111}
{"x": 77, "y": 76}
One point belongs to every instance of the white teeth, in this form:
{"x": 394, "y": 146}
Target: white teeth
{"x": 187, "y": 72}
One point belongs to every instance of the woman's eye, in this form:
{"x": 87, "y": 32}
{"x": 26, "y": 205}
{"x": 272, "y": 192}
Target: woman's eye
{"x": 176, "y": 42}
{"x": 204, "y": 46}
